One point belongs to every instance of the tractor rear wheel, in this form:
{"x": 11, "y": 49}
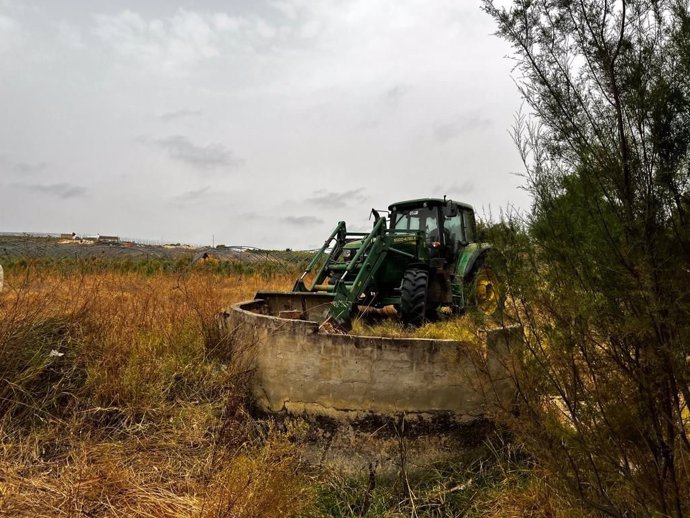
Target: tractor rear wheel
{"x": 413, "y": 297}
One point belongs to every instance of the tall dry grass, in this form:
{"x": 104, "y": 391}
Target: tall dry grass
{"x": 119, "y": 397}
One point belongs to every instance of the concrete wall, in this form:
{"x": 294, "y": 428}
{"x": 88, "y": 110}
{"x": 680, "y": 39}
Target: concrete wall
{"x": 298, "y": 369}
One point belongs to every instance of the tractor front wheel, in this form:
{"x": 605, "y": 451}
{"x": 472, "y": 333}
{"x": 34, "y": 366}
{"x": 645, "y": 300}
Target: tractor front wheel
{"x": 413, "y": 297}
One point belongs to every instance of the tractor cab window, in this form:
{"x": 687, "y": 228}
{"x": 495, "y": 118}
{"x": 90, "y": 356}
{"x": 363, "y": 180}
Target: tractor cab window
{"x": 416, "y": 219}
{"x": 454, "y": 230}
{"x": 469, "y": 225}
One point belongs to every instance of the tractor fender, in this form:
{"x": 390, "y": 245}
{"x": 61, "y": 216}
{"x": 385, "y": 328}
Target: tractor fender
{"x": 471, "y": 257}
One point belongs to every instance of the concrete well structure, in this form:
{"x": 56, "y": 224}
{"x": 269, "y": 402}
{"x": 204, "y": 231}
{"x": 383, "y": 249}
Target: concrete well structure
{"x": 297, "y": 369}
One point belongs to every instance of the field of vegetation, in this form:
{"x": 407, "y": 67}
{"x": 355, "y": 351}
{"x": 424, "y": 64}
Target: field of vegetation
{"x": 119, "y": 397}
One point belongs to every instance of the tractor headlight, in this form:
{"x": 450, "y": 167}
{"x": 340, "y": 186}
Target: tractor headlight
{"x": 349, "y": 253}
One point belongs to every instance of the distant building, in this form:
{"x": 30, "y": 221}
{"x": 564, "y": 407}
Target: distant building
{"x": 108, "y": 240}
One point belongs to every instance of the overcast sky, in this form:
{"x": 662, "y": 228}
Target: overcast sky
{"x": 260, "y": 122}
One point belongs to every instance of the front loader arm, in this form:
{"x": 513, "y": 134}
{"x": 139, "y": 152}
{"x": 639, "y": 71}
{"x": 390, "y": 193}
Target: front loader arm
{"x": 357, "y": 275}
{"x": 339, "y": 235}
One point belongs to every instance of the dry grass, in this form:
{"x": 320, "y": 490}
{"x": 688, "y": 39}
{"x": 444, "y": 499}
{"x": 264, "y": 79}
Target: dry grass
{"x": 463, "y": 328}
{"x": 119, "y": 397}
{"x": 525, "y": 498}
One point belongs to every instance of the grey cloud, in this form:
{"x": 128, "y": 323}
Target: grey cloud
{"x": 28, "y": 167}
{"x": 302, "y": 220}
{"x": 179, "y": 114}
{"x": 22, "y": 167}
{"x": 61, "y": 190}
{"x": 184, "y": 38}
{"x": 336, "y": 199}
{"x": 446, "y": 131}
{"x": 251, "y": 215}
{"x": 209, "y": 156}
{"x": 191, "y": 196}
{"x": 368, "y": 124}
{"x": 393, "y": 95}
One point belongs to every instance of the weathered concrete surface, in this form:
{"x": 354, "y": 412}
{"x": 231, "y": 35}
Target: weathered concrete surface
{"x": 297, "y": 369}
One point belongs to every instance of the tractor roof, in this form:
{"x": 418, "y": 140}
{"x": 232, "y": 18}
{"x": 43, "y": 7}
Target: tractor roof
{"x": 430, "y": 202}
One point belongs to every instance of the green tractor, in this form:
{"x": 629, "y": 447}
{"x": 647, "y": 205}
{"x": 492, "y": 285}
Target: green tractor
{"x": 423, "y": 257}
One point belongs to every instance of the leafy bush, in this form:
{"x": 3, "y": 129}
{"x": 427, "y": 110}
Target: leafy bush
{"x": 600, "y": 269}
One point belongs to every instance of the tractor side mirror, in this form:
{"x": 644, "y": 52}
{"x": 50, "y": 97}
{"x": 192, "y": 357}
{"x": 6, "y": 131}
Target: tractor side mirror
{"x": 450, "y": 210}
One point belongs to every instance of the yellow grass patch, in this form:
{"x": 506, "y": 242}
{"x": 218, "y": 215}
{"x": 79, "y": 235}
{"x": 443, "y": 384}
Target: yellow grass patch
{"x": 113, "y": 401}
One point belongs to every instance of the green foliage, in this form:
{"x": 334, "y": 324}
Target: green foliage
{"x": 599, "y": 271}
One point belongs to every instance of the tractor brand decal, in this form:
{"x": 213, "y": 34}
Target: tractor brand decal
{"x": 404, "y": 239}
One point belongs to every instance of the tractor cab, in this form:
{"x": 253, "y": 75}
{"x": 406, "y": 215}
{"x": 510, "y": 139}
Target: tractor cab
{"x": 448, "y": 226}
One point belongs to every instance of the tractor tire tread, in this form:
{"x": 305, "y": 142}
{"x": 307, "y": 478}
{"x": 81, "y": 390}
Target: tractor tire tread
{"x": 413, "y": 299}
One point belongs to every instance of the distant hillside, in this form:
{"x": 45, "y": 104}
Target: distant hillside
{"x": 64, "y": 249}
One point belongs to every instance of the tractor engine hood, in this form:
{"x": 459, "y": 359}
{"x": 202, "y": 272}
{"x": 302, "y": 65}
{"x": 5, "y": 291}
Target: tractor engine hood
{"x": 406, "y": 242}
